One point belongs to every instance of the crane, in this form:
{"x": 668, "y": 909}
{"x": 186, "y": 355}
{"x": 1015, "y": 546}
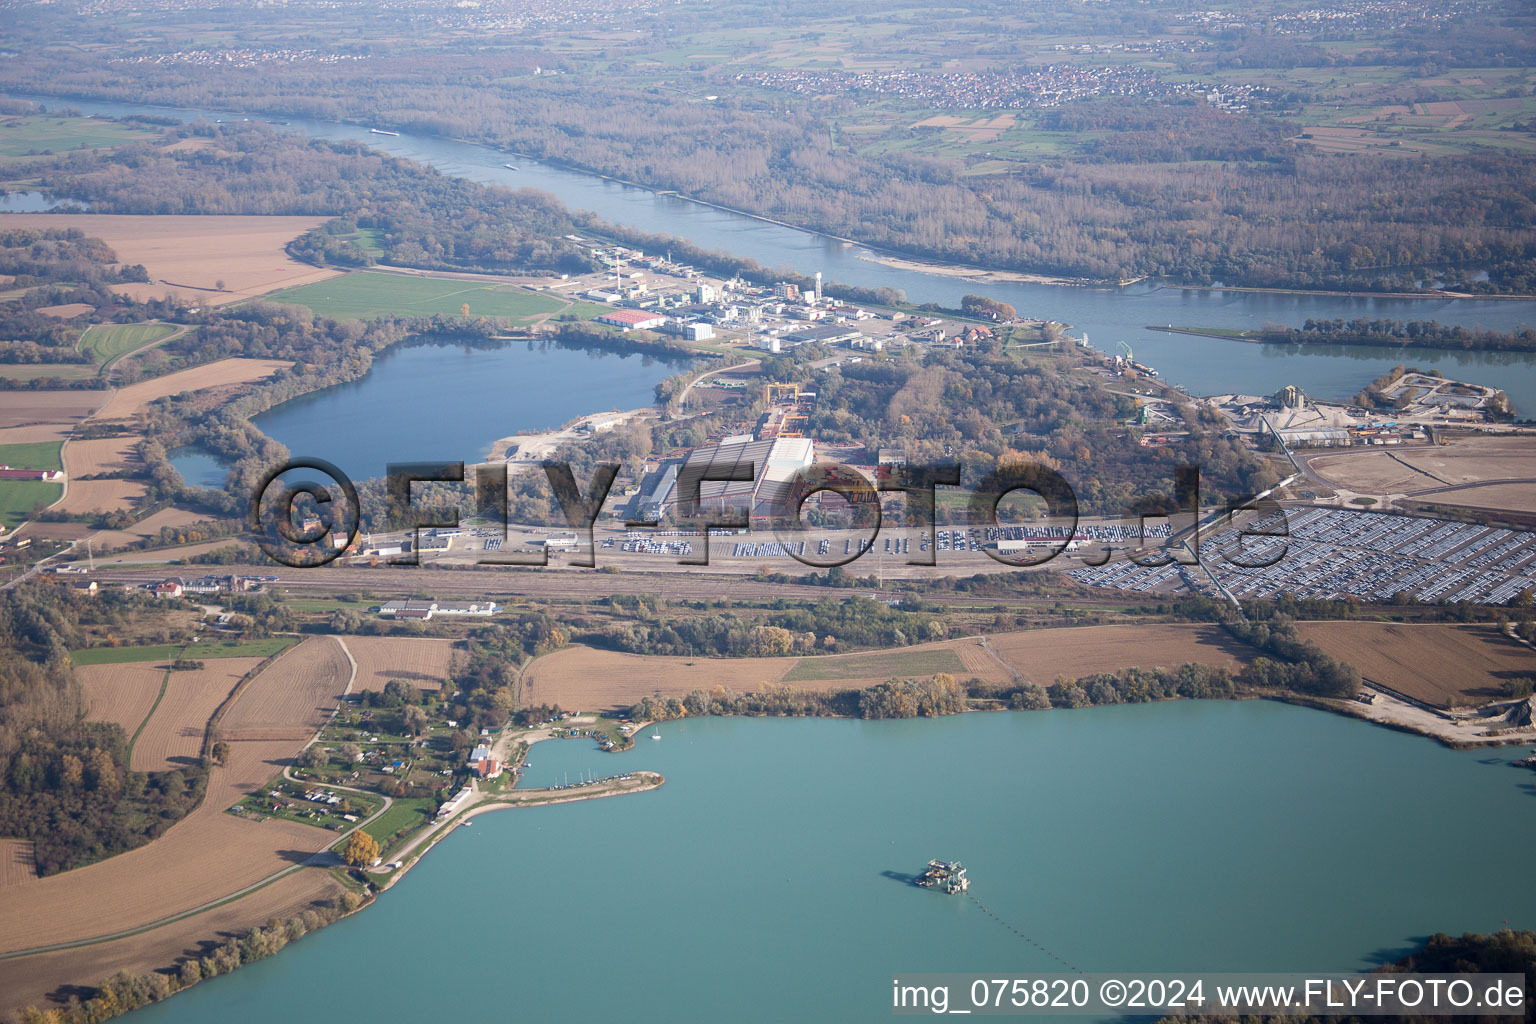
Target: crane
{"x": 1130, "y": 356}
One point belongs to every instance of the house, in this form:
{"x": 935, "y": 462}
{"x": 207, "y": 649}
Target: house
{"x": 483, "y": 764}
{"x": 171, "y": 588}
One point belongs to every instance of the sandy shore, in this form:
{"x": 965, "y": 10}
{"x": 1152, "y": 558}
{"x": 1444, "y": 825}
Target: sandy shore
{"x": 974, "y": 273}
{"x": 532, "y": 448}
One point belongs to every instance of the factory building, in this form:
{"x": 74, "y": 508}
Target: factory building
{"x": 823, "y": 335}
{"x": 766, "y": 469}
{"x": 632, "y": 319}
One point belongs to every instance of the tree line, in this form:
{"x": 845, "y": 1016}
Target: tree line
{"x": 1400, "y": 334}
{"x": 124, "y": 991}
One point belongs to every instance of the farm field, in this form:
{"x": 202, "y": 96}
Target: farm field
{"x": 201, "y": 651}
{"x": 105, "y": 342}
{"x": 209, "y": 854}
{"x": 16, "y": 862}
{"x": 68, "y": 311}
{"x": 878, "y": 665}
{"x": 135, "y": 398}
{"x": 55, "y": 432}
{"x": 121, "y": 693}
{"x": 31, "y": 408}
{"x": 423, "y": 662}
{"x": 160, "y": 555}
{"x": 87, "y": 496}
{"x": 57, "y": 531}
{"x": 28, "y": 981}
{"x": 1433, "y": 662}
{"x": 188, "y": 256}
{"x": 32, "y": 371}
{"x": 1044, "y": 654}
{"x": 590, "y": 680}
{"x": 361, "y": 294}
{"x": 174, "y": 734}
{"x": 292, "y": 698}
{"x": 101, "y": 455}
{"x": 151, "y": 525}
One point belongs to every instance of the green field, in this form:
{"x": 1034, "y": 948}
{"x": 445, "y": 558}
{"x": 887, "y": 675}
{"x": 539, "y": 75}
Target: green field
{"x": 106, "y": 342}
{"x": 168, "y": 652}
{"x": 23, "y": 136}
{"x": 35, "y": 455}
{"x": 19, "y": 497}
{"x": 403, "y": 817}
{"x": 360, "y": 295}
{"x": 869, "y": 666}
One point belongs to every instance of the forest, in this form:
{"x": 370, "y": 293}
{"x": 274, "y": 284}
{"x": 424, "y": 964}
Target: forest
{"x": 994, "y": 410}
{"x": 65, "y": 783}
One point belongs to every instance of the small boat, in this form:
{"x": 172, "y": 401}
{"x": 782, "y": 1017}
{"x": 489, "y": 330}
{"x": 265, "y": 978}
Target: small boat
{"x": 510, "y": 167}
{"x": 381, "y": 131}
{"x": 655, "y": 735}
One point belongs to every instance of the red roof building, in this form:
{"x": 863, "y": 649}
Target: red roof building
{"x": 632, "y": 319}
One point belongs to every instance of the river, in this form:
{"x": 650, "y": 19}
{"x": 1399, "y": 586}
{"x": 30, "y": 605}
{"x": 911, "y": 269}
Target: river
{"x": 1108, "y": 315}
{"x": 764, "y": 881}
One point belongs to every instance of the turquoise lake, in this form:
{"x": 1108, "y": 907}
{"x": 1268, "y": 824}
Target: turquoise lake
{"x": 766, "y": 880}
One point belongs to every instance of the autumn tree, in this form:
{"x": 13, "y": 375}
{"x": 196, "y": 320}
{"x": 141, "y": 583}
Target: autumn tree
{"x": 361, "y": 850}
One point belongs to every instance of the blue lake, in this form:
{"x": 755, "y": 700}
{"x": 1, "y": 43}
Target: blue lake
{"x": 444, "y": 402}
